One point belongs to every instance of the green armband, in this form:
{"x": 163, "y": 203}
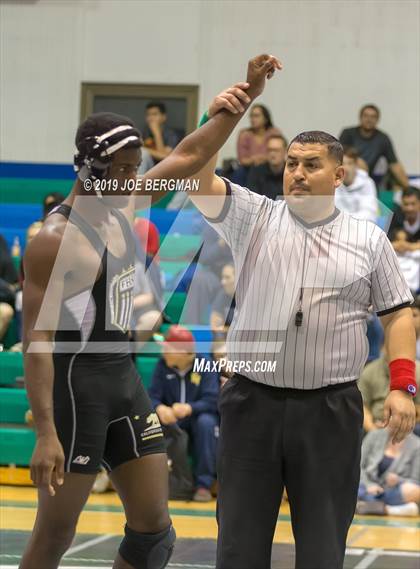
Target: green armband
{"x": 204, "y": 119}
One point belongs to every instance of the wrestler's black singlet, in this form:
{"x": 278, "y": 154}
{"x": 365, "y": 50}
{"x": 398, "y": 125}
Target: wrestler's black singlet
{"x": 101, "y": 411}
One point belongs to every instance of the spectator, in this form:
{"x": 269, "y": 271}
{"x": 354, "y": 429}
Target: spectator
{"x": 148, "y": 235}
{"x": 8, "y": 284}
{"x": 219, "y": 354}
{"x": 372, "y": 144}
{"x": 408, "y": 255}
{"x": 51, "y": 201}
{"x": 375, "y": 335}
{"x": 147, "y": 162}
{"x": 159, "y": 139}
{"x": 148, "y": 291}
{"x": 408, "y": 215}
{"x": 416, "y": 317}
{"x": 31, "y": 232}
{"x": 267, "y": 179}
{"x": 252, "y": 142}
{"x": 223, "y": 306}
{"x": 205, "y": 285}
{"x": 374, "y": 386}
{"x": 390, "y": 475}
{"x": 186, "y": 399}
{"x": 357, "y": 195}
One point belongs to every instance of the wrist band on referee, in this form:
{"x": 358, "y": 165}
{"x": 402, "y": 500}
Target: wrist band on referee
{"x": 204, "y": 119}
{"x": 403, "y": 375}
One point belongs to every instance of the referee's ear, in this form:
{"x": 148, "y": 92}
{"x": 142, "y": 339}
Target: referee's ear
{"x": 339, "y": 175}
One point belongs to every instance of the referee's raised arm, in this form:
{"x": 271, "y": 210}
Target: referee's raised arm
{"x": 195, "y": 155}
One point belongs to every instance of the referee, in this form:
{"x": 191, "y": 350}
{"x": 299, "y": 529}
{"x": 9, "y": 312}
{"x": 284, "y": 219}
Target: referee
{"x": 307, "y": 276}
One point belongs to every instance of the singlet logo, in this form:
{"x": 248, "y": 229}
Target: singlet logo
{"x": 153, "y": 422}
{"x": 83, "y": 460}
{"x": 154, "y": 430}
{"x": 121, "y": 299}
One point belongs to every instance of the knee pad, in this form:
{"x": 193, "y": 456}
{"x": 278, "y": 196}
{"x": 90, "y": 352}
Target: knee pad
{"x": 148, "y": 550}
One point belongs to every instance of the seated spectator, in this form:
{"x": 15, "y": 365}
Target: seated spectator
{"x": 375, "y": 335}
{"x": 374, "y": 387}
{"x": 147, "y": 162}
{"x": 147, "y": 314}
{"x": 31, "y": 232}
{"x": 159, "y": 139}
{"x": 223, "y": 307}
{"x": 214, "y": 255}
{"x": 357, "y": 194}
{"x": 8, "y": 286}
{"x": 408, "y": 255}
{"x": 6, "y": 316}
{"x": 407, "y": 216}
{"x": 416, "y": 317}
{"x": 372, "y": 144}
{"x": 51, "y": 201}
{"x": 219, "y": 354}
{"x": 390, "y": 475}
{"x": 252, "y": 142}
{"x": 149, "y": 237}
{"x": 187, "y": 400}
{"x": 267, "y": 179}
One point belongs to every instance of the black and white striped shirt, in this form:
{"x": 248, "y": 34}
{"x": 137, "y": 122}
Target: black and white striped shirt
{"x": 341, "y": 266}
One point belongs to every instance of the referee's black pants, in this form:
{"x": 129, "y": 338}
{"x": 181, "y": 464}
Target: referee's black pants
{"x": 306, "y": 441}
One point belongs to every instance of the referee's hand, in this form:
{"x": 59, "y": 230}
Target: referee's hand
{"x": 234, "y": 99}
{"x": 399, "y": 415}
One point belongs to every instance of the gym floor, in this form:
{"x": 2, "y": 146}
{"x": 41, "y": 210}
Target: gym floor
{"x": 375, "y": 542}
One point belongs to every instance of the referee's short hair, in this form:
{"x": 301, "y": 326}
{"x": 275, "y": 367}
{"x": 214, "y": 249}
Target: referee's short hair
{"x": 335, "y": 150}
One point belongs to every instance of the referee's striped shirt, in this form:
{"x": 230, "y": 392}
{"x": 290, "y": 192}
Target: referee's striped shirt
{"x": 341, "y": 267}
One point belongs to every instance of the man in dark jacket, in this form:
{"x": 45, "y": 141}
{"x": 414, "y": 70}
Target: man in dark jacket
{"x": 186, "y": 399}
{"x": 267, "y": 179}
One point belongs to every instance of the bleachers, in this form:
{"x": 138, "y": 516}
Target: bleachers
{"x": 16, "y": 444}
{"x": 11, "y": 368}
{"x": 13, "y": 405}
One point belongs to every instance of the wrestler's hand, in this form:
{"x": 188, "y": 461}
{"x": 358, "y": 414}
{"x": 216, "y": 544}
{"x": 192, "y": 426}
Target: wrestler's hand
{"x": 261, "y": 68}
{"x": 47, "y": 464}
{"x": 399, "y": 414}
{"x": 233, "y": 99}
